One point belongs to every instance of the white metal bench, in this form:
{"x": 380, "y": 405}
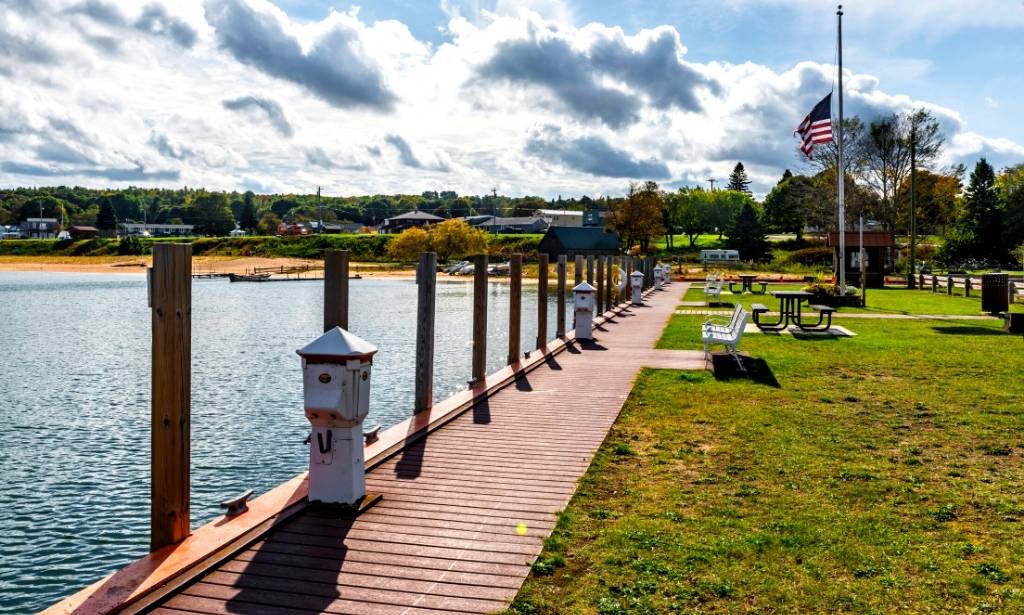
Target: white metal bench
{"x": 730, "y": 338}
{"x": 715, "y": 324}
{"x": 713, "y": 291}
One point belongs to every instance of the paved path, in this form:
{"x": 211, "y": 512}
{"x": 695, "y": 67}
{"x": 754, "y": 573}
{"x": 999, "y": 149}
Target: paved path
{"x": 868, "y": 316}
{"x": 465, "y": 510}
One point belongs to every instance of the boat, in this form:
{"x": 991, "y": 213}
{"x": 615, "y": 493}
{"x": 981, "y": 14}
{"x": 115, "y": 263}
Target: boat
{"x": 256, "y": 277}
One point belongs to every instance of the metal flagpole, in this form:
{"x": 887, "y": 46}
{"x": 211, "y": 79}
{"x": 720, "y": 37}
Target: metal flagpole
{"x": 841, "y": 174}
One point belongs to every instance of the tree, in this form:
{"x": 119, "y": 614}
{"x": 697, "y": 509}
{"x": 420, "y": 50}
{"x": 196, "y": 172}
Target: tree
{"x": 738, "y": 180}
{"x": 282, "y": 207}
{"x": 788, "y": 206}
{"x": 43, "y": 206}
{"x": 723, "y": 207}
{"x": 456, "y": 239}
{"x": 687, "y": 210}
{"x": 979, "y": 233}
{"x": 825, "y": 156}
{"x": 747, "y": 235}
{"x": 106, "y": 219}
{"x": 938, "y": 201}
{"x": 247, "y": 219}
{"x": 409, "y": 244}
{"x": 638, "y": 217}
{"x": 268, "y": 224}
{"x": 1010, "y": 186}
{"x": 211, "y": 214}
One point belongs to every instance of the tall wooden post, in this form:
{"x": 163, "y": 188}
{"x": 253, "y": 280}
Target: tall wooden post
{"x": 560, "y": 320}
{"x": 480, "y": 318}
{"x": 949, "y": 285}
{"x": 590, "y": 270}
{"x": 515, "y": 306}
{"x": 578, "y": 266}
{"x": 171, "y": 392}
{"x": 542, "y": 301}
{"x": 426, "y": 280}
{"x": 599, "y": 303}
{"x": 335, "y": 289}
{"x": 607, "y": 289}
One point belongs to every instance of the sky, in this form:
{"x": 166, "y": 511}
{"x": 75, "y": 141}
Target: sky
{"x": 535, "y": 97}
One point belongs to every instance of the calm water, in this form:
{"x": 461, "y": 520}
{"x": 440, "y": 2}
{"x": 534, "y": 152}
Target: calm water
{"x": 74, "y": 404}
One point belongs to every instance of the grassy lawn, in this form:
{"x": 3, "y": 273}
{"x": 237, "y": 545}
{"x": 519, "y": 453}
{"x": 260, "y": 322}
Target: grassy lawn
{"x": 879, "y": 301}
{"x": 874, "y": 474}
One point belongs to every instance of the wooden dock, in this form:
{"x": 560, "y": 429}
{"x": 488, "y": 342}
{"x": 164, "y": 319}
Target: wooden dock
{"x": 465, "y": 508}
{"x": 446, "y": 536}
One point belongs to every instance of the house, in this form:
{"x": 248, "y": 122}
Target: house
{"x": 582, "y": 241}
{"x": 83, "y": 232}
{"x": 514, "y": 225}
{"x": 595, "y": 217}
{"x": 40, "y": 228}
{"x": 878, "y": 246}
{"x": 561, "y": 217}
{"x": 397, "y": 224}
{"x": 476, "y": 220}
{"x": 139, "y": 229}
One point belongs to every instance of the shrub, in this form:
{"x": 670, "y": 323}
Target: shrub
{"x": 811, "y": 256}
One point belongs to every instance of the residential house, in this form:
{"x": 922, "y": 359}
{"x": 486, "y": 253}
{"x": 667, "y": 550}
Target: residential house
{"x": 40, "y": 228}
{"x": 83, "y": 232}
{"x": 140, "y": 229}
{"x": 561, "y": 217}
{"x": 514, "y": 225}
{"x": 397, "y": 224}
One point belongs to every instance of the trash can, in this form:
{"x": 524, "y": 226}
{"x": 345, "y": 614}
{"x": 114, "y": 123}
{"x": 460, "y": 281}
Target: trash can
{"x": 995, "y": 289}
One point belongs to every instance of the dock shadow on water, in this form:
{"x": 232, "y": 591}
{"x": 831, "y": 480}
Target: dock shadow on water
{"x": 725, "y": 369}
{"x": 299, "y": 565}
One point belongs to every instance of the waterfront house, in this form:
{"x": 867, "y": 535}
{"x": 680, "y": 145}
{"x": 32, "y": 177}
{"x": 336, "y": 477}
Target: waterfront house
{"x": 514, "y": 225}
{"x": 397, "y": 224}
{"x": 561, "y": 217}
{"x": 582, "y": 241}
{"x": 40, "y": 228}
{"x": 83, "y": 232}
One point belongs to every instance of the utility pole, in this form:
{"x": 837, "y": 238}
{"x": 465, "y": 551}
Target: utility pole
{"x": 711, "y": 180}
{"x": 913, "y": 206}
{"x": 320, "y": 226}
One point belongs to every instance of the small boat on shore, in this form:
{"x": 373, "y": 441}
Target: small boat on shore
{"x": 256, "y": 277}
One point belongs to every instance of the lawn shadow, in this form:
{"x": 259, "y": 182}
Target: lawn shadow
{"x": 967, "y": 330}
{"x": 724, "y": 367}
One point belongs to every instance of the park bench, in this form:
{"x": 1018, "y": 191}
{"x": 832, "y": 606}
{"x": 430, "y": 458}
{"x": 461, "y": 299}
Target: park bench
{"x": 728, "y": 337}
{"x": 712, "y": 324}
{"x": 823, "y": 312}
{"x": 713, "y": 291}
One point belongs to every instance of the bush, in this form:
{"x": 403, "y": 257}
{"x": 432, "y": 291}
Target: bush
{"x": 811, "y": 256}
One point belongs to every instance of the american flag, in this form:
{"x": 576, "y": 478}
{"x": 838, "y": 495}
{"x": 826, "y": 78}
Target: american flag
{"x": 817, "y": 126}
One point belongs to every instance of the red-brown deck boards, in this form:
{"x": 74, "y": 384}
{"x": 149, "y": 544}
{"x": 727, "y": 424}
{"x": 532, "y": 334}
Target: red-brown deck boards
{"x": 464, "y": 511}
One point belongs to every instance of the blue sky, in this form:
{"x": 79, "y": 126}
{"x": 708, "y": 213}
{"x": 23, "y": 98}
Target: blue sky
{"x": 546, "y": 97}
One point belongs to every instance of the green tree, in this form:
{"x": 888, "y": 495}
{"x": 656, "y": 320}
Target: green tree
{"x": 723, "y": 207}
{"x": 43, "y": 206}
{"x": 282, "y": 207}
{"x": 106, "y": 218}
{"x": 979, "y": 232}
{"x": 788, "y": 205}
{"x": 247, "y": 220}
{"x": 738, "y": 180}
{"x": 748, "y": 236}
{"x": 689, "y": 212}
{"x": 268, "y": 224}
{"x": 638, "y": 218}
{"x": 211, "y": 214}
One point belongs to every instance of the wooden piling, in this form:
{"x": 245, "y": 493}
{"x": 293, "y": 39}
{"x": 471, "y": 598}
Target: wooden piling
{"x": 542, "y": 301}
{"x": 609, "y": 263}
{"x": 578, "y": 267}
{"x": 515, "y": 306}
{"x": 426, "y": 281}
{"x": 171, "y": 393}
{"x": 935, "y": 283}
{"x": 480, "y": 318}
{"x": 599, "y": 298}
{"x": 590, "y": 270}
{"x": 560, "y": 312}
{"x": 967, "y": 285}
{"x": 335, "y": 289}
{"x": 949, "y": 285}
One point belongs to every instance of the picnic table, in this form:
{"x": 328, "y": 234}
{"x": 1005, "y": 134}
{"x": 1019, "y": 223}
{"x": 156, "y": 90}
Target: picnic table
{"x": 747, "y": 284}
{"x": 790, "y": 312}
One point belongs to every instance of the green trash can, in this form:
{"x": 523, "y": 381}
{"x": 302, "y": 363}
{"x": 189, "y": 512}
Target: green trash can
{"x": 995, "y": 292}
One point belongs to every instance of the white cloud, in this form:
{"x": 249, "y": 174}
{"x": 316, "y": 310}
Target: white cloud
{"x": 519, "y": 100}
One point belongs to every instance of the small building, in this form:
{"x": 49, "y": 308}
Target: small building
{"x": 878, "y": 247}
{"x": 476, "y": 220}
{"x": 582, "y": 241}
{"x": 236, "y": 232}
{"x": 561, "y": 217}
{"x": 514, "y": 225}
{"x": 397, "y": 224}
{"x": 40, "y": 228}
{"x": 83, "y": 232}
{"x": 595, "y": 217}
{"x": 139, "y": 229}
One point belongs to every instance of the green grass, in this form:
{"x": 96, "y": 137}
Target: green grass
{"x": 874, "y": 474}
{"x": 879, "y": 301}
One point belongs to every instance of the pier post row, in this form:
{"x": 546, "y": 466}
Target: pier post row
{"x": 479, "y": 319}
{"x": 560, "y": 314}
{"x": 637, "y": 280}
{"x": 335, "y": 289}
{"x": 426, "y": 280}
{"x": 336, "y": 396}
{"x": 583, "y": 308}
{"x": 542, "y": 301}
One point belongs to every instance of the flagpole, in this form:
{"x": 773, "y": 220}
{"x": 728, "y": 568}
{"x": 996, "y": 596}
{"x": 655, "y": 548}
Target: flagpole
{"x": 841, "y": 174}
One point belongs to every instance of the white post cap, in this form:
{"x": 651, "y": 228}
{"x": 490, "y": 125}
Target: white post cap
{"x": 337, "y": 346}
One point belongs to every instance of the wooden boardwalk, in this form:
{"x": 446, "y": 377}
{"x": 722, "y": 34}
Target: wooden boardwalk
{"x": 464, "y": 510}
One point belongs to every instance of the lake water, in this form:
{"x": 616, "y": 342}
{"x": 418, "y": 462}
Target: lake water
{"x": 74, "y": 403}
